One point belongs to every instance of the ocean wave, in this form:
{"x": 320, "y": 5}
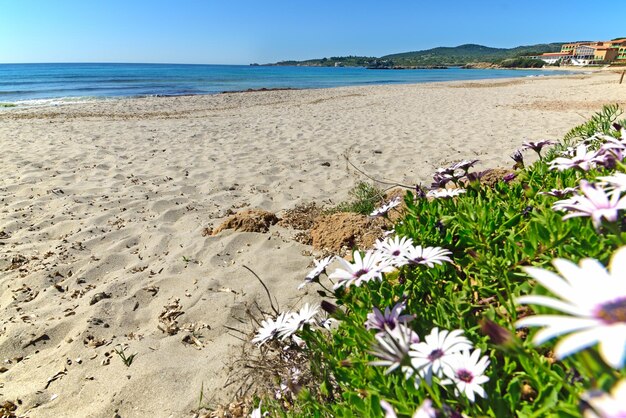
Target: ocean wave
{"x": 59, "y": 101}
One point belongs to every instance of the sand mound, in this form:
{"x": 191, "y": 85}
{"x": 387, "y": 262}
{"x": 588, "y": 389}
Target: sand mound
{"x": 249, "y": 220}
{"x": 493, "y": 176}
{"x": 340, "y": 232}
{"x": 302, "y": 217}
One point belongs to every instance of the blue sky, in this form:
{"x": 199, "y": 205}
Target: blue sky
{"x": 245, "y": 31}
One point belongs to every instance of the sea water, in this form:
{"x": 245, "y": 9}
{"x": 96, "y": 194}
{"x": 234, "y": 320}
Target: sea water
{"x": 55, "y": 83}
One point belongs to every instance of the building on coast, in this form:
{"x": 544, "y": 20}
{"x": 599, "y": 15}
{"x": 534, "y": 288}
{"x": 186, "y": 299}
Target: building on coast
{"x": 587, "y": 53}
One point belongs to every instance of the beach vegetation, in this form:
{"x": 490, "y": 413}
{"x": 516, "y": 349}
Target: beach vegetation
{"x": 600, "y": 122}
{"x": 505, "y": 300}
{"x": 127, "y": 359}
{"x": 522, "y": 63}
{"x": 8, "y": 105}
{"x": 364, "y": 199}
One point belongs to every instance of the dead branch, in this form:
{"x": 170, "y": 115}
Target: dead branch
{"x": 386, "y": 182}
{"x": 269, "y": 295}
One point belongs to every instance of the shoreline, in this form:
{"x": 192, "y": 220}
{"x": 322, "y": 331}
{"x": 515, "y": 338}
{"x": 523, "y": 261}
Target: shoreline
{"x": 106, "y": 208}
{"x": 70, "y": 100}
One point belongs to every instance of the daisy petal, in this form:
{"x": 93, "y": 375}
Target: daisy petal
{"x": 613, "y": 346}
{"x": 551, "y": 303}
{"x": 576, "y": 342}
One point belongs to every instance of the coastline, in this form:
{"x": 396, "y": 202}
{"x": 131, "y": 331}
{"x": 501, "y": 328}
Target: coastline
{"x": 113, "y": 197}
{"x": 111, "y": 84}
{"x": 78, "y": 100}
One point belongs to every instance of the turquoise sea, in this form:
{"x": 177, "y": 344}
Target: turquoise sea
{"x": 32, "y": 83}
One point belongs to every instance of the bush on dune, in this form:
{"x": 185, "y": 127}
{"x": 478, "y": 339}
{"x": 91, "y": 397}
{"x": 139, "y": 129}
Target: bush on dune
{"x": 522, "y": 63}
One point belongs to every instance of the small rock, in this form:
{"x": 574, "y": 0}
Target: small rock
{"x": 98, "y": 297}
{"x": 325, "y": 164}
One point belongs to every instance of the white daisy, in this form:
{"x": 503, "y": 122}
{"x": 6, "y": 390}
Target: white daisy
{"x": 256, "y": 412}
{"x": 270, "y": 328}
{"x": 425, "y": 410}
{"x": 594, "y": 203}
{"x": 593, "y": 302}
{"x": 616, "y": 181}
{"x": 467, "y": 374}
{"x": 444, "y": 193}
{"x": 428, "y": 255}
{"x": 518, "y": 158}
{"x": 560, "y": 192}
{"x": 388, "y": 409}
{"x": 432, "y": 356}
{"x": 607, "y": 405}
{"x": 387, "y": 207}
{"x": 463, "y": 165}
{"x": 297, "y": 341}
{"x": 320, "y": 267}
{"x": 390, "y": 319}
{"x": 582, "y": 159}
{"x": 296, "y": 321}
{"x": 395, "y": 249}
{"x": 365, "y": 268}
{"x": 326, "y": 322}
{"x": 392, "y": 349}
{"x": 612, "y": 145}
{"x": 440, "y": 179}
{"x": 445, "y": 171}
{"x": 536, "y": 146}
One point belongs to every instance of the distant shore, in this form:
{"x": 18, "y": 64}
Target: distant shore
{"x": 107, "y": 204}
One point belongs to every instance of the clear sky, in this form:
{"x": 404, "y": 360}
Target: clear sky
{"x": 245, "y": 31}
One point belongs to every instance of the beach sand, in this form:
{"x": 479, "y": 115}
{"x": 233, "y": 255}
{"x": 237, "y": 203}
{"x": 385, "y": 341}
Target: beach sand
{"x": 104, "y": 207}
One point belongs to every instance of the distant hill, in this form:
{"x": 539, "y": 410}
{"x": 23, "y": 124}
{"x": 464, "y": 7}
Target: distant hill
{"x": 458, "y": 55}
{"x": 347, "y": 61}
{"x": 464, "y": 54}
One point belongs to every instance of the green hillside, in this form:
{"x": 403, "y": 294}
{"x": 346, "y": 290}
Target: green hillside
{"x": 464, "y": 54}
{"x": 347, "y": 61}
{"x": 458, "y": 55}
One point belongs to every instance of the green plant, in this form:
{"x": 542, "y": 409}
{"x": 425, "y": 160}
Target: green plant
{"x": 365, "y": 197}
{"x": 599, "y": 122}
{"x": 522, "y": 63}
{"x": 120, "y": 350}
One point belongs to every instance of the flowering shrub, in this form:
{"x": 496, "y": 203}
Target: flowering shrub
{"x": 461, "y": 313}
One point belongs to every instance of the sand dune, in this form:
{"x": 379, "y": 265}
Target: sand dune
{"x": 104, "y": 206}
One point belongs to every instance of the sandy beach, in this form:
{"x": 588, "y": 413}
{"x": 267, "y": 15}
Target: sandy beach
{"x": 105, "y": 208}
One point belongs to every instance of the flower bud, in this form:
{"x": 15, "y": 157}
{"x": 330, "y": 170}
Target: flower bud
{"x": 497, "y": 334}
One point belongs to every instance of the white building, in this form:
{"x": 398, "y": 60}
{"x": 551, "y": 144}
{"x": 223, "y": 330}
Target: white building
{"x": 553, "y": 57}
